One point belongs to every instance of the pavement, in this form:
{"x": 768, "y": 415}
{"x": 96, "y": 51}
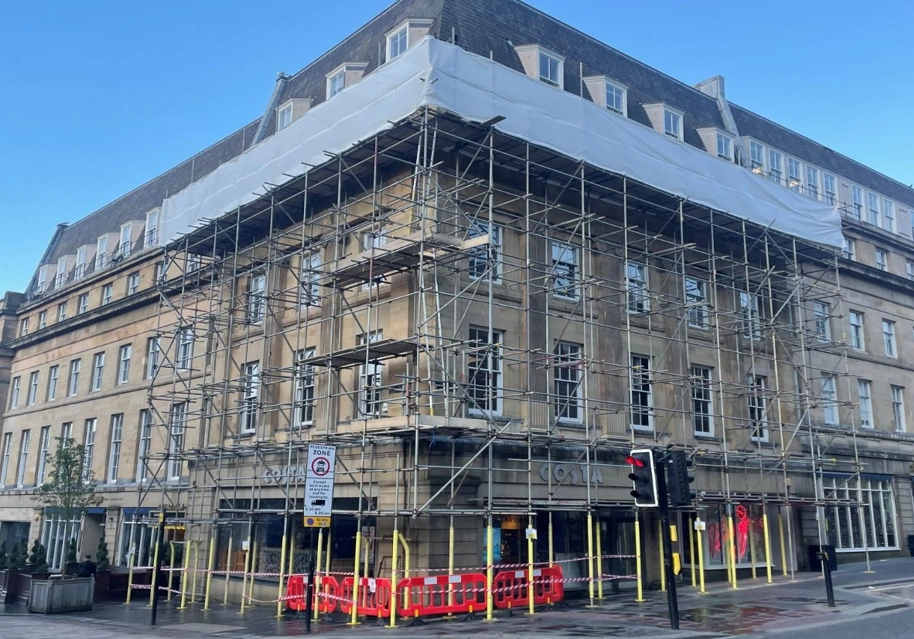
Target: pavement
{"x": 754, "y": 609}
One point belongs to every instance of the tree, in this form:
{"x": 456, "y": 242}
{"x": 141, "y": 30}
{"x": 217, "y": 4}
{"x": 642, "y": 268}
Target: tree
{"x": 70, "y": 488}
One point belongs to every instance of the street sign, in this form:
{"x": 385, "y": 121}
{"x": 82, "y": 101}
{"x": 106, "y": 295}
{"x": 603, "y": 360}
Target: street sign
{"x": 319, "y": 486}
{"x": 321, "y": 461}
{"x": 317, "y": 522}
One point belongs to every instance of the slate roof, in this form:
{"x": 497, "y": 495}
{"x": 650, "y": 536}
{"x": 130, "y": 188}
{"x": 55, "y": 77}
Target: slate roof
{"x": 783, "y": 139}
{"x": 484, "y": 27}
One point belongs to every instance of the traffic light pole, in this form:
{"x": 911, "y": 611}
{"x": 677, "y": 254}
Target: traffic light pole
{"x": 660, "y": 472}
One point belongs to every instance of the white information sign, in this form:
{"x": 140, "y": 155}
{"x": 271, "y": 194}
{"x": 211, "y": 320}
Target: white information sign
{"x": 321, "y": 461}
{"x": 319, "y": 485}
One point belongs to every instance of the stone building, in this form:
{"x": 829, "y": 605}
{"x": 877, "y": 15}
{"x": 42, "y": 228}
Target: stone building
{"x": 485, "y": 256}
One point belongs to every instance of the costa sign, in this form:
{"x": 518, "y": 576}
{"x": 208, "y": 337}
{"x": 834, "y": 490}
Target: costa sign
{"x": 572, "y": 474}
{"x": 284, "y": 475}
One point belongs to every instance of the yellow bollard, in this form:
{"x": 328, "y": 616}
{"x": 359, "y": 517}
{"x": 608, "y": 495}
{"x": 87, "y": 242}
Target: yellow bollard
{"x": 184, "y": 576}
{"x": 406, "y": 554}
{"x": 732, "y": 548}
{"x": 129, "y": 575}
{"x": 171, "y": 568}
{"x": 282, "y": 565}
{"x": 599, "y": 536}
{"x": 155, "y": 562}
{"x": 530, "y": 588}
{"x": 783, "y": 545}
{"x": 228, "y": 570}
{"x": 317, "y": 574}
{"x": 193, "y": 591}
{"x": 327, "y": 559}
{"x": 290, "y": 569}
{"x": 354, "y": 617}
{"x": 489, "y": 571}
{"x": 590, "y": 556}
{"x": 209, "y": 571}
{"x": 701, "y": 563}
{"x": 752, "y": 556}
{"x": 638, "y": 558}
{"x": 244, "y": 575}
{"x": 253, "y": 572}
{"x": 691, "y": 549}
{"x": 662, "y": 557}
{"x": 393, "y": 578}
{"x": 767, "y": 545}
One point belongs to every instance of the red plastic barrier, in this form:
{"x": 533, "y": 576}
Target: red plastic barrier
{"x": 295, "y": 591}
{"x": 552, "y": 585}
{"x": 324, "y": 601}
{"x": 510, "y": 587}
{"x": 327, "y": 593}
{"x": 374, "y": 597}
{"x": 441, "y": 595}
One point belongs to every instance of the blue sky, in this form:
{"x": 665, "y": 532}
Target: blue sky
{"x": 99, "y": 96}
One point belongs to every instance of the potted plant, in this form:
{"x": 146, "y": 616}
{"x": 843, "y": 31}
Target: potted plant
{"x": 38, "y": 560}
{"x": 102, "y": 570}
{"x": 69, "y": 490}
{"x": 71, "y": 559}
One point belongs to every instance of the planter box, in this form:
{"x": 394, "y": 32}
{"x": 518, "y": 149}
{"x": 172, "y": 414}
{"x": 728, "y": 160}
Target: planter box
{"x": 62, "y": 595}
{"x": 9, "y": 581}
{"x": 23, "y": 586}
{"x": 102, "y": 584}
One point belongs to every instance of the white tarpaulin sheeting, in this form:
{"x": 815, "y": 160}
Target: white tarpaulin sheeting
{"x": 438, "y": 74}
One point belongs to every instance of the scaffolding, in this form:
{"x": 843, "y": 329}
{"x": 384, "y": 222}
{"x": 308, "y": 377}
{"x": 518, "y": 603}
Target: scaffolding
{"x": 454, "y": 308}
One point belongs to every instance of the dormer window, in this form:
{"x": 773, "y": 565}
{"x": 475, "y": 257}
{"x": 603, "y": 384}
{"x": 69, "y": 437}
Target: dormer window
{"x": 724, "y": 147}
{"x": 80, "y": 269}
{"x": 398, "y": 42}
{"x": 672, "y": 123}
{"x": 126, "y": 240}
{"x": 284, "y": 117}
{"x": 61, "y": 277}
{"x": 667, "y": 120}
{"x": 550, "y": 69}
{"x": 336, "y": 83}
{"x": 615, "y": 98}
{"x": 756, "y": 156}
{"x": 101, "y": 253}
{"x": 42, "y": 278}
{"x": 343, "y": 76}
{"x": 794, "y": 179}
{"x": 404, "y": 35}
{"x": 546, "y": 66}
{"x": 812, "y": 182}
{"x": 152, "y": 228}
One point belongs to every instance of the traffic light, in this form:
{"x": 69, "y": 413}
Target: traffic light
{"x": 643, "y": 478}
{"x": 681, "y": 494}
